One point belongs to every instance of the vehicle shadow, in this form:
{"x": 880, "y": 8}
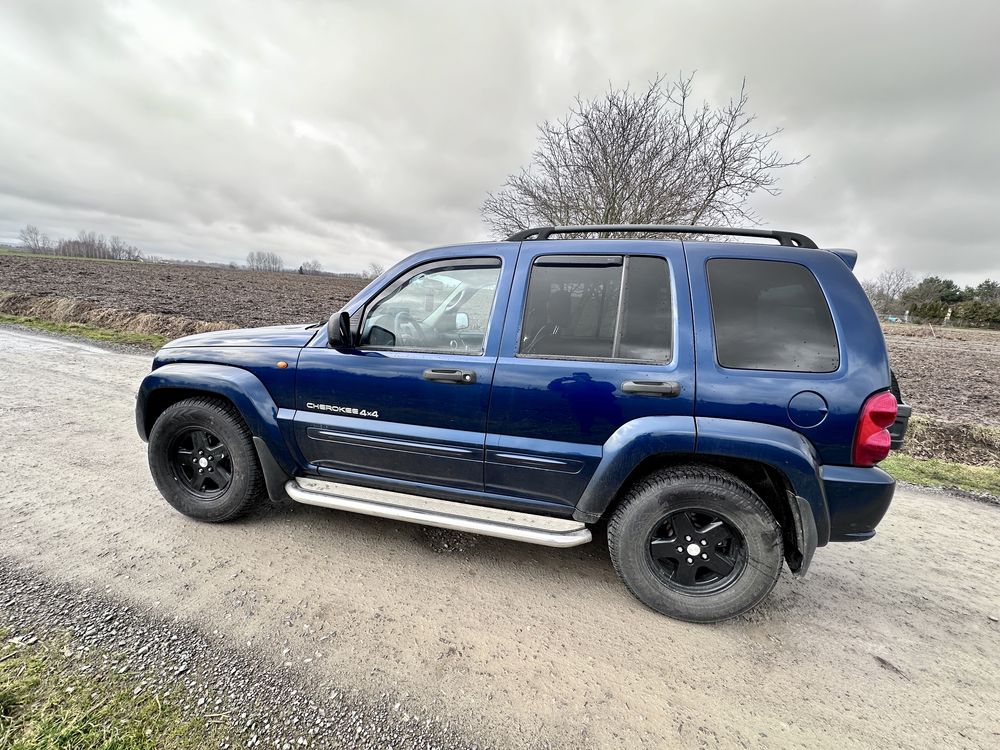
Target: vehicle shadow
{"x": 837, "y": 582}
{"x": 319, "y": 524}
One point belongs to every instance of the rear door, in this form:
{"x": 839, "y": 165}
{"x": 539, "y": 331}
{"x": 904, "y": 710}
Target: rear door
{"x": 410, "y": 401}
{"x": 598, "y": 333}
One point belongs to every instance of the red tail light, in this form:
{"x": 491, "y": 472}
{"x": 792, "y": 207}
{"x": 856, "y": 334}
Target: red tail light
{"x": 871, "y": 441}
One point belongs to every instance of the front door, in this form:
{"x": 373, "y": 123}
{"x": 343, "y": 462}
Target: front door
{"x": 598, "y": 334}
{"x": 409, "y": 402}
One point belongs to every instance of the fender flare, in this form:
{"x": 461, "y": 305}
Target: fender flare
{"x": 627, "y": 447}
{"x": 241, "y": 387}
{"x": 778, "y": 447}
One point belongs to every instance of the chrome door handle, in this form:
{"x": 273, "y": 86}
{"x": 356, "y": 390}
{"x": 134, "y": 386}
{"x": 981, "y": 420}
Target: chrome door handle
{"x": 664, "y": 388}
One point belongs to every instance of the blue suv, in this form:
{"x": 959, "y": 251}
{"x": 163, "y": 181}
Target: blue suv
{"x": 721, "y": 406}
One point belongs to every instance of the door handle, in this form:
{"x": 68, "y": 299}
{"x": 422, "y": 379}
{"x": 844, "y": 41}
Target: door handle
{"x": 665, "y": 388}
{"x": 450, "y": 376}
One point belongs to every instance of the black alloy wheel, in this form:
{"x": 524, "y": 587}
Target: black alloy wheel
{"x": 697, "y": 551}
{"x": 201, "y": 462}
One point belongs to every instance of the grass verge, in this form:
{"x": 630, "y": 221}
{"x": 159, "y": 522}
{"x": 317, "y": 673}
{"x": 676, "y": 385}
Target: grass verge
{"x": 933, "y": 472}
{"x": 86, "y": 331}
{"x": 47, "y": 702}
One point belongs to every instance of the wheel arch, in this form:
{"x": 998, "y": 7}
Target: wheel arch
{"x": 242, "y": 389}
{"x": 768, "y": 482}
{"x": 161, "y": 399}
{"x": 779, "y": 464}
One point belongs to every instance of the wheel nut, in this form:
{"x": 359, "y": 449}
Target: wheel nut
{"x": 687, "y": 539}
{"x": 201, "y": 471}
{"x": 680, "y": 549}
{"x": 704, "y": 557}
{"x": 690, "y": 561}
{"x": 703, "y": 542}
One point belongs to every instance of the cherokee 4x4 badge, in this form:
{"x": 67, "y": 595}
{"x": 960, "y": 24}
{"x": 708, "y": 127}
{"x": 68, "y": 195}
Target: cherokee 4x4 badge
{"x": 352, "y": 411}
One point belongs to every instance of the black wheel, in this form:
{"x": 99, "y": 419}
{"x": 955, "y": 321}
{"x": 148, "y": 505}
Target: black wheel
{"x": 695, "y": 543}
{"x": 203, "y": 461}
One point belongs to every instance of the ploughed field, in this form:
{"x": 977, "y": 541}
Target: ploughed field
{"x": 948, "y": 373}
{"x": 205, "y": 293}
{"x": 951, "y": 376}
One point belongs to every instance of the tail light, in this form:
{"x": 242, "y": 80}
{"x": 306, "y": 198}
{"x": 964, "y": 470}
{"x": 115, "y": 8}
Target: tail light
{"x": 872, "y": 440}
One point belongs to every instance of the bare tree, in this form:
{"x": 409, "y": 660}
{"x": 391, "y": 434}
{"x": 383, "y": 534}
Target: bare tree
{"x": 121, "y": 250}
{"x": 311, "y": 266}
{"x": 264, "y": 260}
{"x": 34, "y": 240}
{"x": 373, "y": 270}
{"x": 886, "y": 290}
{"x": 651, "y": 157}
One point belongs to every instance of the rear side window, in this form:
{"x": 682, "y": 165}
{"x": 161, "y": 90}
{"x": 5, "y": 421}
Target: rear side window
{"x": 598, "y": 307}
{"x": 771, "y": 315}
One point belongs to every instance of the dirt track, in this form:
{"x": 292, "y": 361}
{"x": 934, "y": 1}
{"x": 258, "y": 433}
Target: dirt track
{"x": 885, "y": 644}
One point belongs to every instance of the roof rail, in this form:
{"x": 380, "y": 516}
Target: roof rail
{"x": 790, "y": 239}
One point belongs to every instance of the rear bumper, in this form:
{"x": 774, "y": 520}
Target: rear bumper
{"x": 858, "y": 498}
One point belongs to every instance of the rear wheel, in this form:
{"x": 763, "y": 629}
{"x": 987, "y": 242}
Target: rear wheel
{"x": 202, "y": 459}
{"x": 695, "y": 543}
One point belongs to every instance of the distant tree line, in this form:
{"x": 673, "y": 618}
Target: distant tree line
{"x": 84, "y": 245}
{"x": 264, "y": 260}
{"x": 92, "y": 245}
{"x": 896, "y": 292}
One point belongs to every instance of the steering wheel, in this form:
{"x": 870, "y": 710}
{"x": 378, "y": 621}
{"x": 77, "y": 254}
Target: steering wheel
{"x": 416, "y": 334}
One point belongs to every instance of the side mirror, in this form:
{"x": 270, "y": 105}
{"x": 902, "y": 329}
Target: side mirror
{"x": 338, "y": 331}
{"x": 461, "y": 321}
{"x": 383, "y": 337}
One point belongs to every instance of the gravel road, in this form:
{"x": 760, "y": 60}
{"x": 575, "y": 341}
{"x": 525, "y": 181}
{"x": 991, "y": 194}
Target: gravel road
{"x": 891, "y": 643}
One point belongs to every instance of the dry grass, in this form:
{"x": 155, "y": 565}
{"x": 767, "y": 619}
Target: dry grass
{"x": 65, "y": 310}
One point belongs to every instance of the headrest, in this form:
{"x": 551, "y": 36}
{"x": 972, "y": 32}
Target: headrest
{"x": 560, "y": 308}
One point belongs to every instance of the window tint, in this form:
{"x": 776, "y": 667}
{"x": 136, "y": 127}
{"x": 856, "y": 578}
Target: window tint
{"x": 442, "y": 310}
{"x": 771, "y": 315}
{"x": 647, "y": 319}
{"x": 575, "y": 308}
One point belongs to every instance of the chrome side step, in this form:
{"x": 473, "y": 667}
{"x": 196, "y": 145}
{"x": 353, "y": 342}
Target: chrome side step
{"x": 446, "y": 514}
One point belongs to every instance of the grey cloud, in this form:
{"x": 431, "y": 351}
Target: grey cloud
{"x": 352, "y": 132}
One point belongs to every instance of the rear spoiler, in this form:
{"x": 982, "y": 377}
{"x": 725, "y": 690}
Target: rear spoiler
{"x": 850, "y": 257}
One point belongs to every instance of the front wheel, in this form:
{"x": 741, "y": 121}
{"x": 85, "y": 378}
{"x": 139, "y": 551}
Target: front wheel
{"x": 695, "y": 543}
{"x": 202, "y": 458}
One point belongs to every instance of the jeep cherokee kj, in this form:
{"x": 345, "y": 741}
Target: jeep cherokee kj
{"x": 722, "y": 406}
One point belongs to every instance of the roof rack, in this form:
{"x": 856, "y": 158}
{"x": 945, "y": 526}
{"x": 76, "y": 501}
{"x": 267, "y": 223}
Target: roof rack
{"x": 790, "y": 239}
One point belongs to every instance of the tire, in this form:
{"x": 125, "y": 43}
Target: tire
{"x": 202, "y": 458}
{"x": 662, "y": 568}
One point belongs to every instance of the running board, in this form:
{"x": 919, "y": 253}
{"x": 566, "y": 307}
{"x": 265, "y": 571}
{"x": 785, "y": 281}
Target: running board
{"x": 446, "y": 514}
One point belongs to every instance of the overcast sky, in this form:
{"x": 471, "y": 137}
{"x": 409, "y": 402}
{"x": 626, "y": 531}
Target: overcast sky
{"x": 352, "y": 132}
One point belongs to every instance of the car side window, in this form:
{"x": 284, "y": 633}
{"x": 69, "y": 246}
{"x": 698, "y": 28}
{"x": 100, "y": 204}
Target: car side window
{"x": 437, "y": 308}
{"x": 598, "y": 307}
{"x": 771, "y": 315}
